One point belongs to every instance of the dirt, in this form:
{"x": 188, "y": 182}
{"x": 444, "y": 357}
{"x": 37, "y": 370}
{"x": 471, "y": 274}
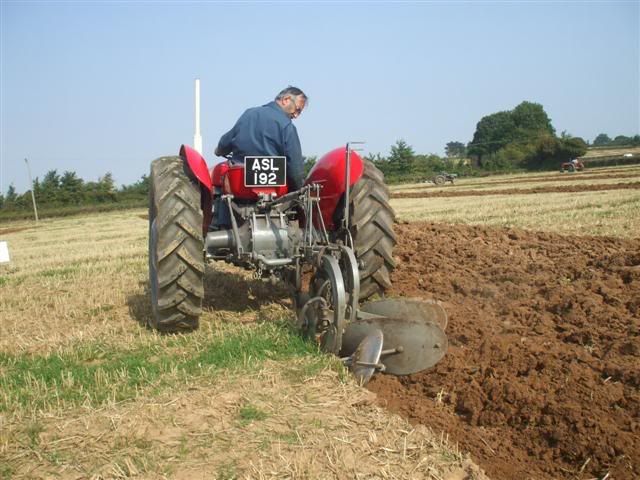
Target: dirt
{"x": 6, "y": 231}
{"x": 518, "y": 191}
{"x": 561, "y": 177}
{"x": 542, "y": 376}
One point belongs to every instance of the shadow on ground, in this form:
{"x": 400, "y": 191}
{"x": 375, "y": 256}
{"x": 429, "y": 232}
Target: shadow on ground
{"x": 228, "y": 290}
{"x": 223, "y": 290}
{"x": 140, "y": 305}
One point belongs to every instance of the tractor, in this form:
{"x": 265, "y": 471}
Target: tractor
{"x": 443, "y": 177}
{"x": 572, "y": 166}
{"x": 330, "y": 242}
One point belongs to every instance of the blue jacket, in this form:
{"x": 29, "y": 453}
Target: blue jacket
{"x": 266, "y": 130}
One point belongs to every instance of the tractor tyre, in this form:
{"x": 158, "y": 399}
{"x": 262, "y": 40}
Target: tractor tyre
{"x": 176, "y": 260}
{"x": 372, "y": 219}
{"x": 571, "y": 169}
{"x": 439, "y": 179}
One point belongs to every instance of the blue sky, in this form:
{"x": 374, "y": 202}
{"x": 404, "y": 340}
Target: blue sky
{"x": 94, "y": 87}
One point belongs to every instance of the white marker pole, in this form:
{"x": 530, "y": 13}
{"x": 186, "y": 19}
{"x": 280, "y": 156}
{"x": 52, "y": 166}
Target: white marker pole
{"x": 33, "y": 195}
{"x": 197, "y": 138}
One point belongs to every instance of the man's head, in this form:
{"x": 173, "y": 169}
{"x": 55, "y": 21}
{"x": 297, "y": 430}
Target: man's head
{"x": 292, "y": 100}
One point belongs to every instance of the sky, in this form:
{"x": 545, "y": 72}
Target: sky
{"x": 97, "y": 87}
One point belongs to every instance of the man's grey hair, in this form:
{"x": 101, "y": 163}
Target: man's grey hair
{"x": 293, "y": 91}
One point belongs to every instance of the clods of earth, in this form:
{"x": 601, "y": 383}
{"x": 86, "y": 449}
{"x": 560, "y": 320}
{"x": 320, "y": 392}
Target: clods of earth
{"x": 542, "y": 376}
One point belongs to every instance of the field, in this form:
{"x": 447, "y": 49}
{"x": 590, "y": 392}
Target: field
{"x": 540, "y": 275}
{"x": 596, "y": 153}
{"x": 86, "y": 391}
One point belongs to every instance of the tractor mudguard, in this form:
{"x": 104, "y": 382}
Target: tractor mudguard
{"x": 197, "y": 165}
{"x": 330, "y": 172}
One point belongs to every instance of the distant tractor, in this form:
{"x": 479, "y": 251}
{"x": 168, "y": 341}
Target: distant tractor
{"x": 572, "y": 166}
{"x": 444, "y": 177}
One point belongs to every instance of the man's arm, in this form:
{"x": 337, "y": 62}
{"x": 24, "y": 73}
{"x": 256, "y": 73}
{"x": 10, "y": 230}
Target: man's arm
{"x": 224, "y": 145}
{"x": 295, "y": 163}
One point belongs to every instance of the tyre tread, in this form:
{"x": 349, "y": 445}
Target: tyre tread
{"x": 175, "y": 198}
{"x": 372, "y": 219}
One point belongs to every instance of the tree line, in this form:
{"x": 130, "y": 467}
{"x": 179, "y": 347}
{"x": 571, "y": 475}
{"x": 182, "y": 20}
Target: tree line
{"x": 519, "y": 139}
{"x": 56, "y": 192}
{"x": 603, "y": 140}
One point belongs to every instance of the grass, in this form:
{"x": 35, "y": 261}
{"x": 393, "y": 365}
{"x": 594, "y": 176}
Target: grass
{"x": 87, "y": 391}
{"x": 250, "y": 413}
{"x": 258, "y": 423}
{"x": 91, "y": 375}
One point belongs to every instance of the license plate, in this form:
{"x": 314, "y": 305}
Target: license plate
{"x": 265, "y": 171}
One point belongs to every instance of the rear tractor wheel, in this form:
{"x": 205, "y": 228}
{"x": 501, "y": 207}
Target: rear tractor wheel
{"x": 176, "y": 261}
{"x": 371, "y": 219}
{"x": 439, "y": 179}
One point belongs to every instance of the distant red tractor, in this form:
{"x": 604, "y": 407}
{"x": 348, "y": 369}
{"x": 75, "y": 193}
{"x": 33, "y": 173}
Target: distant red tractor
{"x": 572, "y": 166}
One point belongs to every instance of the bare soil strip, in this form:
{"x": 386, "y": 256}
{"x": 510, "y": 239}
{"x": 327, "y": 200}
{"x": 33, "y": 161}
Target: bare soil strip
{"x": 519, "y": 191}
{"x": 541, "y": 379}
{"x": 563, "y": 177}
{"x": 6, "y": 231}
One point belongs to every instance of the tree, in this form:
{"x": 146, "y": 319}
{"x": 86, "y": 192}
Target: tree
{"x": 550, "y": 151}
{"x": 424, "y": 166}
{"x": 526, "y": 131}
{"x": 50, "y": 186}
{"x": 601, "y": 140}
{"x": 375, "y": 158}
{"x": 103, "y": 190}
{"x": 11, "y": 194}
{"x": 492, "y": 133}
{"x": 106, "y": 182}
{"x": 140, "y": 188}
{"x": 37, "y": 189}
{"x": 402, "y": 155}
{"x": 531, "y": 120}
{"x": 455, "y": 149}
{"x": 71, "y": 188}
{"x": 309, "y": 162}
{"x": 622, "y": 140}
{"x": 571, "y": 147}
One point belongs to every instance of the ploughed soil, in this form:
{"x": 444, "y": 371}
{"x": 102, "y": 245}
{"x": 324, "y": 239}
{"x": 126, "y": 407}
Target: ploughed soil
{"x": 581, "y": 176}
{"x": 518, "y": 191}
{"x": 542, "y": 376}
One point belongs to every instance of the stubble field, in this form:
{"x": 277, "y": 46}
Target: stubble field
{"x": 540, "y": 275}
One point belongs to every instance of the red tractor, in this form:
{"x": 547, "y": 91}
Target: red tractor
{"x": 339, "y": 226}
{"x": 572, "y": 166}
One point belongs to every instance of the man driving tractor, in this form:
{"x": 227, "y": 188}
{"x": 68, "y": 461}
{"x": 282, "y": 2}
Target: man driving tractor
{"x": 269, "y": 131}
